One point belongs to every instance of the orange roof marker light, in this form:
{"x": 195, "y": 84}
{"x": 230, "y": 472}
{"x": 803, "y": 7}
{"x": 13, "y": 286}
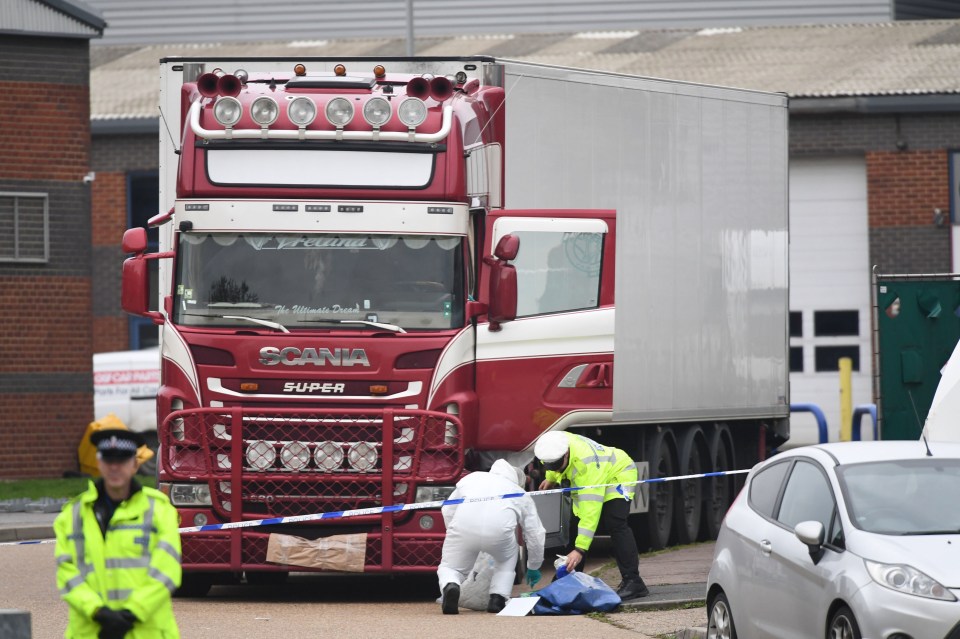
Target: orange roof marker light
{"x": 300, "y": 69}
{"x": 340, "y": 70}
{"x": 379, "y": 71}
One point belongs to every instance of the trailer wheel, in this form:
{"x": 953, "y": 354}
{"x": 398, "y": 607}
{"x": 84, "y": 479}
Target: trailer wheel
{"x": 719, "y": 489}
{"x": 653, "y": 530}
{"x": 690, "y": 491}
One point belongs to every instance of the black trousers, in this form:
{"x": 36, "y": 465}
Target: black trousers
{"x": 614, "y": 520}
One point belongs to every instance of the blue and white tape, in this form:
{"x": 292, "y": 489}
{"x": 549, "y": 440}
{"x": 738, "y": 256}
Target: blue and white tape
{"x": 377, "y": 510}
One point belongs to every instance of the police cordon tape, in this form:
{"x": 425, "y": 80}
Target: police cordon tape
{"x": 377, "y": 510}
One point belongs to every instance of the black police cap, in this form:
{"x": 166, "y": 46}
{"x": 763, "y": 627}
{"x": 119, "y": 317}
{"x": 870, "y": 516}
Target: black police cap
{"x": 116, "y": 443}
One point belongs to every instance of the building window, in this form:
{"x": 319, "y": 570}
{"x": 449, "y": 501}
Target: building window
{"x": 143, "y": 202}
{"x": 830, "y": 323}
{"x": 24, "y": 227}
{"x": 796, "y": 324}
{"x": 826, "y": 358}
{"x": 796, "y": 359}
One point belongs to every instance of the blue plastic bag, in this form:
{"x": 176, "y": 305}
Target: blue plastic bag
{"x": 576, "y": 594}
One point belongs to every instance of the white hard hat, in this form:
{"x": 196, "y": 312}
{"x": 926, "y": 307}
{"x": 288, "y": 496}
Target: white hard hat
{"x": 551, "y": 447}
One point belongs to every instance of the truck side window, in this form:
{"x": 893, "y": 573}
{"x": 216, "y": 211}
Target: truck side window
{"x": 557, "y": 271}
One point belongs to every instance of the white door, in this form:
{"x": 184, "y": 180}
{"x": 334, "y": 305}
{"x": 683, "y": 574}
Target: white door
{"x": 829, "y": 289}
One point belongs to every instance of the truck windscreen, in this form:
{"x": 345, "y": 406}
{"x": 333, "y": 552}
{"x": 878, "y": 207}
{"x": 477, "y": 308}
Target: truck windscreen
{"x": 310, "y": 281}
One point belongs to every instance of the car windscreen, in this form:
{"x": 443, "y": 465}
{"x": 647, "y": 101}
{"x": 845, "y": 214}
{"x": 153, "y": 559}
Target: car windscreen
{"x": 308, "y": 281}
{"x": 907, "y": 497}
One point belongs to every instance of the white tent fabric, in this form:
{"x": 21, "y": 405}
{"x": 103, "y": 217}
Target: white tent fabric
{"x": 943, "y": 420}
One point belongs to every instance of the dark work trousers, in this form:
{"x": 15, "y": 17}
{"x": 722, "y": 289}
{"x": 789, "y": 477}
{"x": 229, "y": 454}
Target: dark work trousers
{"x": 614, "y": 520}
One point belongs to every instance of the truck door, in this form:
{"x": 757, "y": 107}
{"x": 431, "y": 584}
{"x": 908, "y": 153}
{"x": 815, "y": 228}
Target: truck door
{"x": 553, "y": 364}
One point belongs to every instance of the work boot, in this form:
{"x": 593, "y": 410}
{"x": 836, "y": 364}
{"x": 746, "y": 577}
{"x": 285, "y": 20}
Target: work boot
{"x": 496, "y": 603}
{"x": 450, "y": 603}
{"x": 632, "y": 589}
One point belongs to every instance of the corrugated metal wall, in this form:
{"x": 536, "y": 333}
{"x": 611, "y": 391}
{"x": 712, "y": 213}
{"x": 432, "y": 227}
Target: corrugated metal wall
{"x": 926, "y": 9}
{"x": 201, "y": 21}
{"x": 30, "y": 17}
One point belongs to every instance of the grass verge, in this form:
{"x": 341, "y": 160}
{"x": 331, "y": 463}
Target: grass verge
{"x": 55, "y": 488}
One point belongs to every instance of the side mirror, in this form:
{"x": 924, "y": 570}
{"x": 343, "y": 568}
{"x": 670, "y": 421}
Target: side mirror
{"x": 812, "y": 535}
{"x": 135, "y": 240}
{"x": 502, "y": 291}
{"x": 135, "y": 288}
{"x": 507, "y": 248}
{"x": 503, "y": 294}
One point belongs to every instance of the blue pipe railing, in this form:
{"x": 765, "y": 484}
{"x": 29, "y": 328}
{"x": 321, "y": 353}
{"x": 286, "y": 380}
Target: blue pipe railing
{"x": 821, "y": 418}
{"x": 858, "y": 412}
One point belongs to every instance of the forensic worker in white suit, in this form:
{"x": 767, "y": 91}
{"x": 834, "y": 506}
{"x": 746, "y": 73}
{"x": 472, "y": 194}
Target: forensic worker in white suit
{"x": 490, "y": 527}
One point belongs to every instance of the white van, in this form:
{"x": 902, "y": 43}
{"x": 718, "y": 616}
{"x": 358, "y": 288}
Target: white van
{"x": 125, "y": 383}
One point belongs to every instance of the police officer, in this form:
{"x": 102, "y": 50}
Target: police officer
{"x": 118, "y": 550}
{"x": 584, "y": 462}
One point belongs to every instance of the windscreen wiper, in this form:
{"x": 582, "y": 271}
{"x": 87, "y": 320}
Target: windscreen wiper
{"x": 381, "y": 325}
{"x": 269, "y": 324}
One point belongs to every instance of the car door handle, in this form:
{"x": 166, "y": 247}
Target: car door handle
{"x": 766, "y": 547}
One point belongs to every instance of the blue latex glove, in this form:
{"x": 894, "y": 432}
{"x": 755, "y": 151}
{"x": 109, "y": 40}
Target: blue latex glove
{"x": 533, "y": 576}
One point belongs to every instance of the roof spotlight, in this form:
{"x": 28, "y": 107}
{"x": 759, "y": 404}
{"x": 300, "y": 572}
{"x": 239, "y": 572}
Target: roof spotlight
{"x": 339, "y": 112}
{"x": 302, "y": 111}
{"x": 376, "y": 111}
{"x": 412, "y": 112}
{"x": 264, "y": 110}
{"x": 227, "y": 111}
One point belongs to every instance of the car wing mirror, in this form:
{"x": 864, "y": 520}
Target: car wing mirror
{"x": 812, "y": 535}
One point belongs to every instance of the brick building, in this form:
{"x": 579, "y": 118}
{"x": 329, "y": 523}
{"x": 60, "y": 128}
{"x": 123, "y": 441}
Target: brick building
{"x": 873, "y": 125}
{"x": 46, "y": 343}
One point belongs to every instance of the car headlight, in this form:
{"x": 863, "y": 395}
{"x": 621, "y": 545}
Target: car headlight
{"x": 433, "y": 493}
{"x": 187, "y": 494}
{"x": 907, "y": 580}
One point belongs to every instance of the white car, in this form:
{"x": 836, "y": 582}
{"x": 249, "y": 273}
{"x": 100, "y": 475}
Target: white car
{"x": 125, "y": 383}
{"x": 843, "y": 541}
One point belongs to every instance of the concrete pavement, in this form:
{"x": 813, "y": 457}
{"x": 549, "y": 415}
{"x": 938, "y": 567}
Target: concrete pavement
{"x": 676, "y": 578}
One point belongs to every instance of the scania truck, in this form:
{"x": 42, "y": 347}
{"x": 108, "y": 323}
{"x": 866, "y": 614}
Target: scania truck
{"x": 377, "y": 275}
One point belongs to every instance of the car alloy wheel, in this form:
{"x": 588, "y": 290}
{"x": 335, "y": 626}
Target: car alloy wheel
{"x": 843, "y": 625}
{"x": 720, "y": 624}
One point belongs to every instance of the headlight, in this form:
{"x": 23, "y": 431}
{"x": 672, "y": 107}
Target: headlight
{"x": 362, "y": 456}
{"x": 907, "y": 580}
{"x": 295, "y": 455}
{"x": 302, "y": 111}
{"x": 339, "y": 112}
{"x": 264, "y": 111}
{"x": 187, "y": 494}
{"x": 412, "y": 112}
{"x": 376, "y": 111}
{"x": 433, "y": 493}
{"x": 227, "y": 111}
{"x": 261, "y": 455}
{"x": 329, "y": 456}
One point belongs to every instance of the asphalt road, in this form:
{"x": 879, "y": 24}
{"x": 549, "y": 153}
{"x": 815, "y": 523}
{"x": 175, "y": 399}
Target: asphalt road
{"x": 319, "y": 606}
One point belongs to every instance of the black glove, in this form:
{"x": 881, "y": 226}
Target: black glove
{"x": 114, "y": 624}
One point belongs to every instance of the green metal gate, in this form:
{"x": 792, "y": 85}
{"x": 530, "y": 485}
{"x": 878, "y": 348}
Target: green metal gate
{"x": 918, "y": 325}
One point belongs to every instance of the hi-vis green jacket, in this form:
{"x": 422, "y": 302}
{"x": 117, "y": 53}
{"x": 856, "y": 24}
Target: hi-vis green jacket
{"x": 591, "y": 464}
{"x": 137, "y": 565}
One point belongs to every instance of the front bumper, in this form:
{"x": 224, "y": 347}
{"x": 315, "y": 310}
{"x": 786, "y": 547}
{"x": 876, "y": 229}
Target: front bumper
{"x": 239, "y": 454}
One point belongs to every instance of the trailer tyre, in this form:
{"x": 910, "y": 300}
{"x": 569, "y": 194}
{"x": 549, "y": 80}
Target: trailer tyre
{"x": 719, "y": 489}
{"x": 690, "y": 492}
{"x": 653, "y": 530}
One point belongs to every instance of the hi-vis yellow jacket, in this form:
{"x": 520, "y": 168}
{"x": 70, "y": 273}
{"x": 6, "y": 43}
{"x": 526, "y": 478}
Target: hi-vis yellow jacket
{"x": 591, "y": 464}
{"x": 136, "y": 566}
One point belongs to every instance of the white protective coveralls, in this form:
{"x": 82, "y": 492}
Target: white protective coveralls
{"x": 490, "y": 527}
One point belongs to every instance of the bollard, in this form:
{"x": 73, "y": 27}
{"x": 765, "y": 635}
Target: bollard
{"x": 14, "y": 624}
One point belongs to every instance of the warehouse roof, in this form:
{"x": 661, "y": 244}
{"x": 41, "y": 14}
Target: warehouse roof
{"x": 910, "y": 58}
